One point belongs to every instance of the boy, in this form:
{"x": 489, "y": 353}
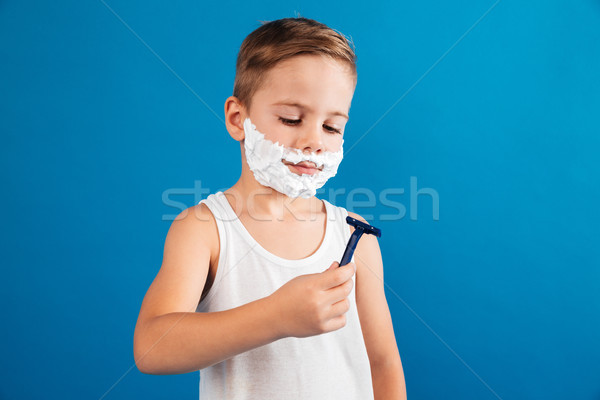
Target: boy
{"x": 276, "y": 317}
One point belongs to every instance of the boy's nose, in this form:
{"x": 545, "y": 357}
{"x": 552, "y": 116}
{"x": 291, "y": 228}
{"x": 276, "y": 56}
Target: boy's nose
{"x": 310, "y": 139}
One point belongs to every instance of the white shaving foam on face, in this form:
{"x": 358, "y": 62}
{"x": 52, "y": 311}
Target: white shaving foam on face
{"x": 265, "y": 160}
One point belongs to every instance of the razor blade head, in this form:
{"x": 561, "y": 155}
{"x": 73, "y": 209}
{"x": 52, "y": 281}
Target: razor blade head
{"x": 366, "y": 228}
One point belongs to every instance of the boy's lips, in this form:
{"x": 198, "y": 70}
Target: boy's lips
{"x": 304, "y": 167}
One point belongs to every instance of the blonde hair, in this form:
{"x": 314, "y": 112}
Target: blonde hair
{"x": 282, "y": 39}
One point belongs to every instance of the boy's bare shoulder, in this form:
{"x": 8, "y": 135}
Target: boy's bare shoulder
{"x": 192, "y": 243}
{"x": 196, "y": 223}
{"x": 356, "y": 216}
{"x": 198, "y": 214}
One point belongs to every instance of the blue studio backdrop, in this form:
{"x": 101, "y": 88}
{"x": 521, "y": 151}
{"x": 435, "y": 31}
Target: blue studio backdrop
{"x": 477, "y": 119}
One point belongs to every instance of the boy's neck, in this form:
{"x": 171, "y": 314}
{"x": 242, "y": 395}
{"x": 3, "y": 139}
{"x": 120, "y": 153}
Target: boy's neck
{"x": 263, "y": 202}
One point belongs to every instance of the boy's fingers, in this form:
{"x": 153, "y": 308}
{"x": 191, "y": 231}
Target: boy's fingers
{"x": 333, "y": 265}
{"x": 340, "y": 292}
{"x": 353, "y": 265}
{"x": 336, "y": 276}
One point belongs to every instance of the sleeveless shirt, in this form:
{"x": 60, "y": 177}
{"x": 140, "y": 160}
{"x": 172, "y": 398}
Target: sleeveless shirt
{"x": 329, "y": 366}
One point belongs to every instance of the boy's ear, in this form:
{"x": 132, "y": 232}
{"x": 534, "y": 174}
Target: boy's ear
{"x": 235, "y": 114}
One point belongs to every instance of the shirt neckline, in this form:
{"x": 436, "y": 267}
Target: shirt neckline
{"x": 233, "y": 218}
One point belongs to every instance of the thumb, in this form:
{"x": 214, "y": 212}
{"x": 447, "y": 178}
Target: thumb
{"x": 333, "y": 265}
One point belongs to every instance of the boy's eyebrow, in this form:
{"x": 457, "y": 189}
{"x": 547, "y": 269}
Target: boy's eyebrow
{"x": 304, "y": 107}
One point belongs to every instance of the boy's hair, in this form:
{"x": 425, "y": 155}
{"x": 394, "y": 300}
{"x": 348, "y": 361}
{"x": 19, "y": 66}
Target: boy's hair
{"x": 281, "y": 39}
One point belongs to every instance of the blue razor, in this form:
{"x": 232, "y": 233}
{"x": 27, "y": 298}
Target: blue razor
{"x": 359, "y": 228}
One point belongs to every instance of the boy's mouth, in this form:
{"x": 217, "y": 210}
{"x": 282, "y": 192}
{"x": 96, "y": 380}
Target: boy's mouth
{"x": 304, "y": 167}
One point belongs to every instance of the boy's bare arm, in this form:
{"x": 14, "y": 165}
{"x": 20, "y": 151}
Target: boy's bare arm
{"x": 376, "y": 322}
{"x": 170, "y": 337}
{"x": 183, "y": 342}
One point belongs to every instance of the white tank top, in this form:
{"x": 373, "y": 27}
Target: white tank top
{"x": 330, "y": 366}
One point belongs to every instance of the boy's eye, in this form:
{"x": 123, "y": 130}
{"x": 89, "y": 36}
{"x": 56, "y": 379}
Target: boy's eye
{"x": 289, "y": 121}
{"x": 331, "y": 129}
{"x": 294, "y": 122}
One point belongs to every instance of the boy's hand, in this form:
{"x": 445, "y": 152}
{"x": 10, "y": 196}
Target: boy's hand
{"x": 313, "y": 304}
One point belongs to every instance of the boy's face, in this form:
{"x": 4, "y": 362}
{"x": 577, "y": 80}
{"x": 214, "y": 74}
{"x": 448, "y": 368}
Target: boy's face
{"x": 304, "y": 102}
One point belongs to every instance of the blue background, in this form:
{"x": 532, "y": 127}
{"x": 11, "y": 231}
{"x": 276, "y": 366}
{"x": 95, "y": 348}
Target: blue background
{"x": 499, "y": 298}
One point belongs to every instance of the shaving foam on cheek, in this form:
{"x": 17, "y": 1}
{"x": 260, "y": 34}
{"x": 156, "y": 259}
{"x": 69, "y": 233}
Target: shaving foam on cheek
{"x": 265, "y": 161}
